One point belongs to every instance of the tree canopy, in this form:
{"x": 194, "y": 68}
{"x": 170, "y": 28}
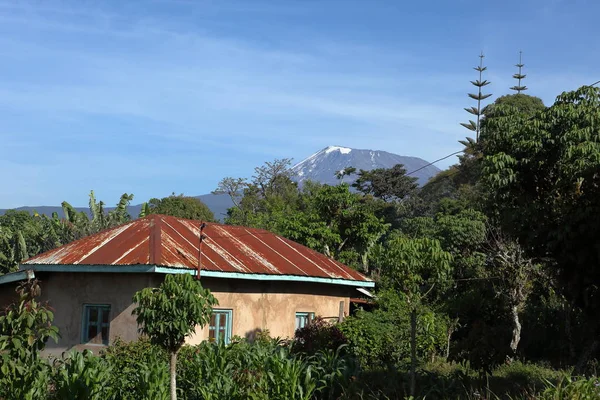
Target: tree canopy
{"x": 171, "y": 313}
{"x": 181, "y": 207}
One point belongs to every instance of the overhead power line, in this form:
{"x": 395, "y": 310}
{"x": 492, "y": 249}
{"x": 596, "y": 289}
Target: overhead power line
{"x": 433, "y": 162}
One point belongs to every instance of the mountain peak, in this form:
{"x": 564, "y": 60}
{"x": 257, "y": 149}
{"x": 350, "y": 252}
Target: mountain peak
{"x": 324, "y": 165}
{"x": 343, "y": 150}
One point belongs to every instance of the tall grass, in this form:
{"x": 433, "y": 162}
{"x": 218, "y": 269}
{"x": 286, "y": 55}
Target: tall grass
{"x": 272, "y": 369}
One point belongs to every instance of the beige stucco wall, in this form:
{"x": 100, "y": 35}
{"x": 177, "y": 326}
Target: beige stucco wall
{"x": 255, "y": 305}
{"x": 272, "y": 306}
{"x": 68, "y": 292}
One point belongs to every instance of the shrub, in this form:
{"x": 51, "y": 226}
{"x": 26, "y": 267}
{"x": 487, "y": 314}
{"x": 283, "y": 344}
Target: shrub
{"x": 81, "y": 375}
{"x": 319, "y": 335}
{"x": 520, "y": 378}
{"x": 25, "y": 327}
{"x": 573, "y": 389}
{"x": 266, "y": 369}
{"x": 139, "y": 370}
{"x": 381, "y": 338}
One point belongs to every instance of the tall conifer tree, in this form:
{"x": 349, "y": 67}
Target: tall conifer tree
{"x": 480, "y": 83}
{"x": 519, "y": 88}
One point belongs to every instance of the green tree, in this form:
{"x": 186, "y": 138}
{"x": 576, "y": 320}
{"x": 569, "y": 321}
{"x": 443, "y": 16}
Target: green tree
{"x": 513, "y": 103}
{"x": 543, "y": 173}
{"x": 13, "y": 250}
{"x": 170, "y": 313}
{"x": 349, "y": 217}
{"x": 413, "y": 267}
{"x": 23, "y": 235}
{"x": 475, "y": 126}
{"x": 181, "y": 207}
{"x": 81, "y": 223}
{"x": 388, "y": 184}
{"x": 271, "y": 192}
{"x": 25, "y": 327}
{"x": 513, "y": 273}
{"x": 519, "y": 76}
{"x": 233, "y": 187}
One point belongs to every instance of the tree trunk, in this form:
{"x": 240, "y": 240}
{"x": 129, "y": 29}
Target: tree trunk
{"x": 568, "y": 331}
{"x": 587, "y": 353}
{"x": 413, "y": 351}
{"x": 516, "y": 331}
{"x": 365, "y": 262}
{"x": 173, "y": 371}
{"x": 451, "y": 329}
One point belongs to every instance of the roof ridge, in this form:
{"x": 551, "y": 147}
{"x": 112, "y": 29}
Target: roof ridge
{"x": 155, "y": 240}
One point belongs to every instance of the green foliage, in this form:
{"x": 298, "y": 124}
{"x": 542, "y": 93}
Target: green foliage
{"x": 181, "y": 207}
{"x": 475, "y": 126}
{"x": 522, "y": 378}
{"x": 462, "y": 232}
{"x": 25, "y": 327}
{"x": 513, "y": 103}
{"x": 261, "y": 370}
{"x": 100, "y": 220}
{"x": 519, "y": 76}
{"x": 23, "y": 235}
{"x": 543, "y": 173}
{"x": 387, "y": 184}
{"x": 139, "y": 370}
{"x": 380, "y": 338}
{"x": 170, "y": 313}
{"x": 329, "y": 219}
{"x": 318, "y": 335}
{"x": 81, "y": 376}
{"x": 412, "y": 266}
{"x": 573, "y": 389}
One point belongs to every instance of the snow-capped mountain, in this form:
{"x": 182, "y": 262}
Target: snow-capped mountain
{"x": 325, "y": 164}
{"x": 320, "y": 167}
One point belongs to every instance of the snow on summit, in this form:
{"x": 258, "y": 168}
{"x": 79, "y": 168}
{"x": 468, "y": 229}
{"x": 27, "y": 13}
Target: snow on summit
{"x": 343, "y": 150}
{"x": 324, "y": 165}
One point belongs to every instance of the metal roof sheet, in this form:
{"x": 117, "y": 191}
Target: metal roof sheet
{"x": 174, "y": 242}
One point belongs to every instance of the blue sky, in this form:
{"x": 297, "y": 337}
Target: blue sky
{"x": 154, "y": 97}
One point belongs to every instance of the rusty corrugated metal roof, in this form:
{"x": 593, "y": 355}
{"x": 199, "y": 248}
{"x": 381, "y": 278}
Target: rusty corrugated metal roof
{"x": 174, "y": 242}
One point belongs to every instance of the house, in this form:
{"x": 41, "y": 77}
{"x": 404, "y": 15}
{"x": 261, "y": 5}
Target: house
{"x": 261, "y": 280}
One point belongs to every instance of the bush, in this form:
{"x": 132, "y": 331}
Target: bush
{"x": 381, "y": 338}
{"x": 81, "y": 375}
{"x": 140, "y": 370}
{"x": 319, "y": 335}
{"x": 25, "y": 327}
{"x": 260, "y": 370}
{"x": 520, "y": 378}
{"x": 573, "y": 389}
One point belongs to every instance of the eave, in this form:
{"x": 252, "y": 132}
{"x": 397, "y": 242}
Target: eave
{"x": 78, "y": 268}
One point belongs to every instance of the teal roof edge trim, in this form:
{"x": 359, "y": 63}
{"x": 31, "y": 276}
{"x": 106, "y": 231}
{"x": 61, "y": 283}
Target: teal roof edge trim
{"x": 89, "y": 268}
{"x": 265, "y": 277}
{"x": 203, "y": 273}
{"x": 16, "y": 276}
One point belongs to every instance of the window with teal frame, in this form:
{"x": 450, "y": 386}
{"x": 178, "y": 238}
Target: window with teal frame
{"x": 96, "y": 324}
{"x": 303, "y": 318}
{"x": 220, "y": 326}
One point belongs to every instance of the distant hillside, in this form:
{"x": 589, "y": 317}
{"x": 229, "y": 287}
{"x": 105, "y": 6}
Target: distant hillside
{"x": 320, "y": 167}
{"x": 323, "y": 165}
{"x": 218, "y": 204}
